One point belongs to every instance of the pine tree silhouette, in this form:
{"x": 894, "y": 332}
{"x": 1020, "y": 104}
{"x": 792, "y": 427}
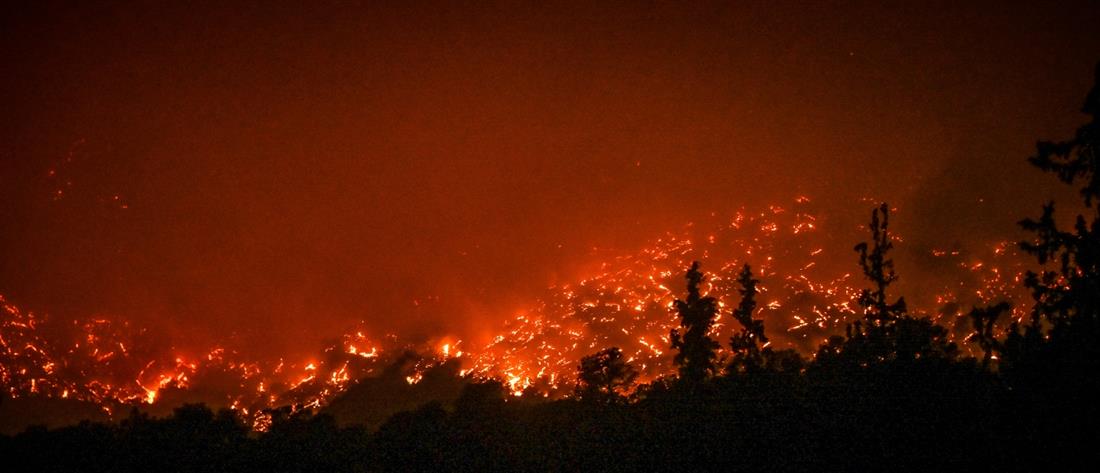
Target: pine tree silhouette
{"x": 1069, "y": 295}
{"x": 887, "y": 332}
{"x": 747, "y": 343}
{"x": 1064, "y": 327}
{"x": 879, "y": 269}
{"x": 870, "y": 339}
{"x": 696, "y": 350}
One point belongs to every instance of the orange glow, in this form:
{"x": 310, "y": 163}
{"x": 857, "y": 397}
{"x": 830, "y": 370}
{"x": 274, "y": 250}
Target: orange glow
{"x": 626, "y": 304}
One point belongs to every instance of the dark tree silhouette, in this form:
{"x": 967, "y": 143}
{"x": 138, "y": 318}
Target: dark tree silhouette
{"x": 870, "y": 339}
{"x": 482, "y": 396}
{"x": 887, "y": 332}
{"x": 603, "y": 376}
{"x": 1064, "y": 327}
{"x": 747, "y": 343}
{"x": 696, "y": 350}
{"x": 1050, "y": 362}
{"x": 1067, "y": 289}
{"x": 879, "y": 269}
{"x": 983, "y": 319}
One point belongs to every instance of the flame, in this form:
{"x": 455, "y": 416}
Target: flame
{"x": 805, "y": 296}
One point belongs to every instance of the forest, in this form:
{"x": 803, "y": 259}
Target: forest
{"x": 891, "y": 392}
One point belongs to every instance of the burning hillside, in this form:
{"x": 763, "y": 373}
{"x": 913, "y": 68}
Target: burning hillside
{"x": 808, "y": 291}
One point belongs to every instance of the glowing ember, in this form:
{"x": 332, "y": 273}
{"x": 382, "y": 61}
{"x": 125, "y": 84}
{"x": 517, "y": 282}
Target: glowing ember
{"x": 804, "y": 297}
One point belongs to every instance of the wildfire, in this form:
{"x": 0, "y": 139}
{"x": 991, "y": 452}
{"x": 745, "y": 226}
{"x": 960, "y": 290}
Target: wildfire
{"x": 806, "y": 295}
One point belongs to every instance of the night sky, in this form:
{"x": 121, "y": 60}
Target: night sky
{"x": 275, "y": 174}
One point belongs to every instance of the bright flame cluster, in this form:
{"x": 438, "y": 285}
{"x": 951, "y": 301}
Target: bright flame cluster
{"x": 808, "y": 290}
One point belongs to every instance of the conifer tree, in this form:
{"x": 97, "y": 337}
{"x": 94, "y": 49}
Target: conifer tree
{"x": 1065, "y": 320}
{"x": 747, "y": 343}
{"x": 696, "y": 350}
{"x": 887, "y": 332}
{"x": 879, "y": 269}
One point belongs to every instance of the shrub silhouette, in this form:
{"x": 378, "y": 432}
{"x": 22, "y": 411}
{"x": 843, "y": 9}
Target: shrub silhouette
{"x": 603, "y": 376}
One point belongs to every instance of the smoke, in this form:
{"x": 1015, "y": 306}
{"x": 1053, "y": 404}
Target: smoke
{"x": 265, "y": 178}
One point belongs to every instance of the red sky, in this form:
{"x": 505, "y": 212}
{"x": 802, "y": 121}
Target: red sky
{"x": 282, "y": 172}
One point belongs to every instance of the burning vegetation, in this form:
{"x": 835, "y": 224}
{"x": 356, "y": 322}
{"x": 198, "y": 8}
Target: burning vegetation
{"x": 896, "y": 386}
{"x": 804, "y": 295}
